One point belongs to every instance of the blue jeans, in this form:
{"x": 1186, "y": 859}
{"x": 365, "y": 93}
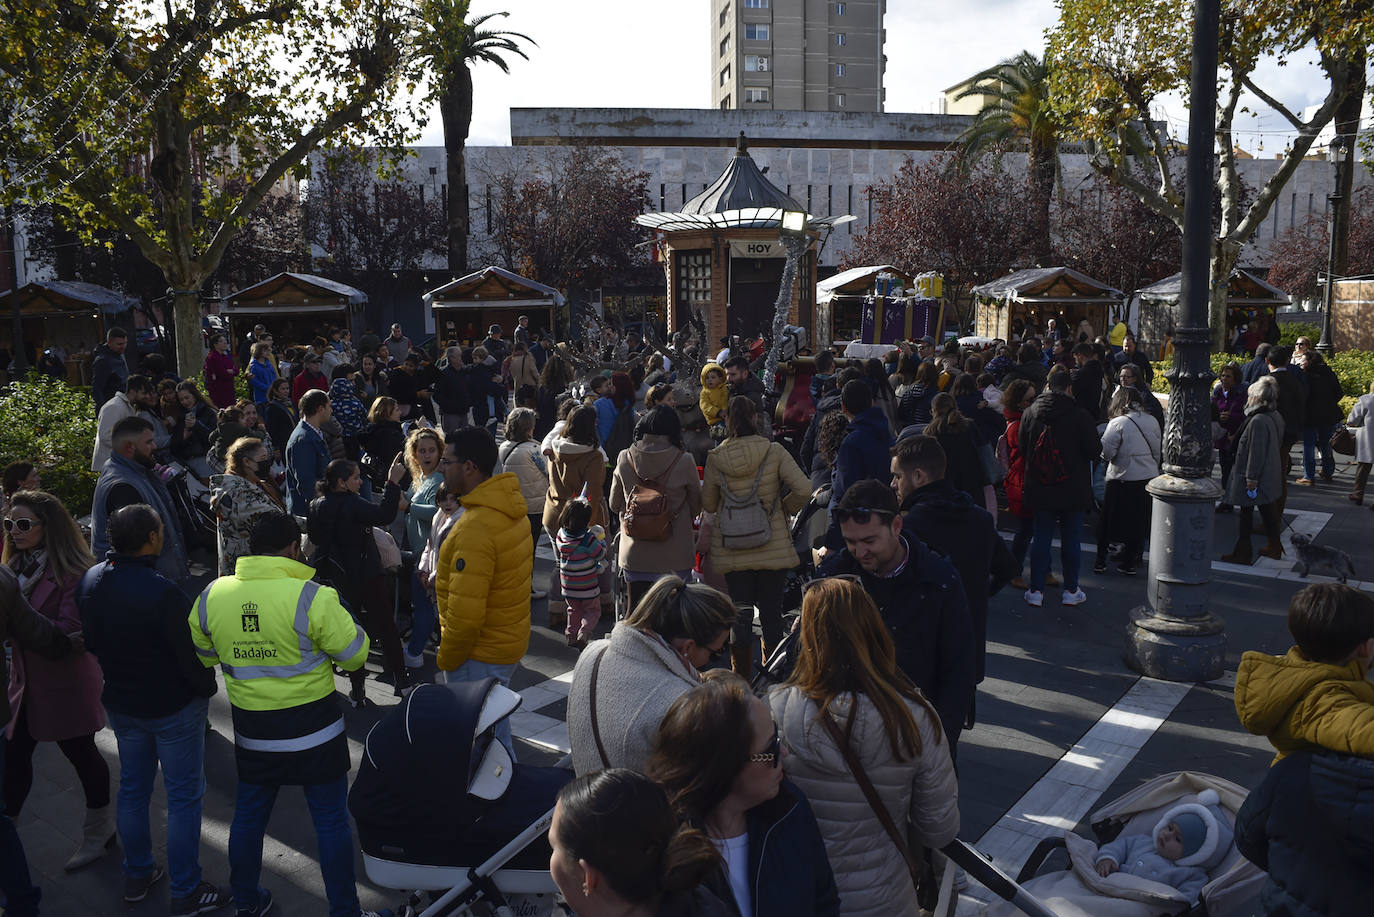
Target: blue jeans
{"x": 177, "y": 742}
{"x": 21, "y": 895}
{"x": 328, "y": 804}
{"x": 472, "y": 670}
{"x": 422, "y": 616}
{"x": 1070, "y": 550}
{"x": 1314, "y": 438}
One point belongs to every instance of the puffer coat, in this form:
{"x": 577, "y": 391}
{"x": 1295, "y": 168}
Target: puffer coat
{"x": 922, "y": 793}
{"x": 783, "y": 488}
{"x": 524, "y": 461}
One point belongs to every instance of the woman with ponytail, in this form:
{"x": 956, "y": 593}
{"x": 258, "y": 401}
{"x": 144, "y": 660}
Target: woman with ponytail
{"x": 847, "y": 673}
{"x": 618, "y": 849}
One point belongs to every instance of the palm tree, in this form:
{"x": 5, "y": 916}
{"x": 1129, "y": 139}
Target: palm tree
{"x": 450, "y": 44}
{"x": 1017, "y": 111}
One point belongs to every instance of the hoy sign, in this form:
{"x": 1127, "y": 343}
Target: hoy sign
{"x": 756, "y": 248}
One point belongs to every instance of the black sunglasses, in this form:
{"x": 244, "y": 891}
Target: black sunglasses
{"x": 772, "y": 752}
{"x": 23, "y": 525}
{"x": 862, "y": 514}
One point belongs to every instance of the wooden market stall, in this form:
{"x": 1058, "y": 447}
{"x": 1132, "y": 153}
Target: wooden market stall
{"x": 1250, "y": 301}
{"x": 1023, "y": 302}
{"x": 840, "y": 301}
{"x": 68, "y": 316}
{"x": 296, "y": 308}
{"x": 466, "y": 307}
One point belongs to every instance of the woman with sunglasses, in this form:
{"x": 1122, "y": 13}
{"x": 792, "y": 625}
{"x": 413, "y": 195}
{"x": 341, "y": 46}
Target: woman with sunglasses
{"x": 719, "y": 756}
{"x": 847, "y": 671}
{"x": 54, "y": 700}
{"x": 622, "y": 686}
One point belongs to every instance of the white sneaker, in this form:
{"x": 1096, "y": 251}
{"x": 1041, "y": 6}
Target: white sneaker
{"x": 1077, "y": 597}
{"x": 413, "y": 662}
{"x": 1035, "y": 597}
{"x": 537, "y": 594}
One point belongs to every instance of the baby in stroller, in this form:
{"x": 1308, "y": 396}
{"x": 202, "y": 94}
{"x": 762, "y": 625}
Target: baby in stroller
{"x": 1187, "y": 841}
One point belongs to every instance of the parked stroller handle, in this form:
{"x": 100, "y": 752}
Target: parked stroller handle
{"x": 1001, "y": 884}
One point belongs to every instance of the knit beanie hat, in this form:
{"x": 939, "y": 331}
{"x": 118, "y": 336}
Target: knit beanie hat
{"x": 1206, "y": 830}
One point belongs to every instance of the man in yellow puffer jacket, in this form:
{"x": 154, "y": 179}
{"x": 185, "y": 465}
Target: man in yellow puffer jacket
{"x": 1317, "y": 695}
{"x": 486, "y": 565}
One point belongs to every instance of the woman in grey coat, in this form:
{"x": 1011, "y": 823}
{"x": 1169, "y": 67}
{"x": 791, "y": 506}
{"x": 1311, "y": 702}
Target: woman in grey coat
{"x": 1361, "y": 422}
{"x": 1257, "y": 476}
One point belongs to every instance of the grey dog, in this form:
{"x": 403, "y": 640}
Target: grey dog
{"x": 1319, "y": 555}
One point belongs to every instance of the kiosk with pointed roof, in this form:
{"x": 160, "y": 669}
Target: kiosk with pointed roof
{"x": 722, "y": 257}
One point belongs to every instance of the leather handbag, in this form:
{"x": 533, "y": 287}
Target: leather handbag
{"x": 1343, "y": 441}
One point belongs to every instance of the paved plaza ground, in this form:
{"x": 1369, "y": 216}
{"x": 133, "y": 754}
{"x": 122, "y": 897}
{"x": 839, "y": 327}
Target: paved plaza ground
{"x": 1063, "y": 725}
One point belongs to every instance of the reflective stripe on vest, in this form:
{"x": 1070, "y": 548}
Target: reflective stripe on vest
{"x": 303, "y": 743}
{"x": 310, "y": 657}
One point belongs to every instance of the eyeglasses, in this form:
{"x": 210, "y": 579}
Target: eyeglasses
{"x": 772, "y": 752}
{"x": 848, "y": 577}
{"x": 862, "y": 514}
{"x": 23, "y": 525}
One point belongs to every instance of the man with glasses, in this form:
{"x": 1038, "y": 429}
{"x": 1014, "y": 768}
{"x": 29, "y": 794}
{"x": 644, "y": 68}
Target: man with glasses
{"x": 919, "y": 596}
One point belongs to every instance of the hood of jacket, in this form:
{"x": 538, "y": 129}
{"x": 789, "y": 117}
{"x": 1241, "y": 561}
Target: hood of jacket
{"x": 828, "y": 403}
{"x": 873, "y": 423}
{"x": 942, "y": 500}
{"x": 565, "y": 446}
{"x": 653, "y": 456}
{"x": 343, "y": 388}
{"x": 1283, "y": 696}
{"x": 712, "y": 367}
{"x": 741, "y": 456}
{"x": 500, "y": 492}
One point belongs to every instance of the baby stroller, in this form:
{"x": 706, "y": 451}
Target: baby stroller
{"x": 487, "y": 843}
{"x": 1079, "y": 891}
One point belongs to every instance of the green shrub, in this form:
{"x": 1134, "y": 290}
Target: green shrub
{"x": 1289, "y": 333}
{"x": 1160, "y": 385}
{"x": 46, "y": 421}
{"x": 1355, "y": 369}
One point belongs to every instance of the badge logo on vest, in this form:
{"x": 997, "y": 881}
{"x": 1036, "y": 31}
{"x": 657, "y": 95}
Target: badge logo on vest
{"x": 459, "y": 565}
{"x": 250, "y": 617}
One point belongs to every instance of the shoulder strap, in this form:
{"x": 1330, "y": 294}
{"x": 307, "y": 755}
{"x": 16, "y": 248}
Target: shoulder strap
{"x": 591, "y": 699}
{"x": 1144, "y": 437}
{"x": 871, "y": 794}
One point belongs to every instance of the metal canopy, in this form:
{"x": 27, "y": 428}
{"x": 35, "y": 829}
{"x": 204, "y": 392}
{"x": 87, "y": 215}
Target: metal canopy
{"x": 1048, "y": 285}
{"x": 1241, "y": 287}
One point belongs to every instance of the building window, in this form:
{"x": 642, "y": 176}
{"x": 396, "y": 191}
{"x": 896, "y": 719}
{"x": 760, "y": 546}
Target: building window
{"x": 839, "y": 69}
{"x": 693, "y": 285}
{"x": 725, "y": 46}
{"x": 839, "y": 100}
{"x": 756, "y": 63}
{"x": 756, "y": 4}
{"x": 725, "y": 14}
{"x": 756, "y": 95}
{"x": 839, "y": 39}
{"x": 840, "y": 9}
{"x": 725, "y": 103}
{"x": 725, "y": 75}
{"x": 756, "y": 31}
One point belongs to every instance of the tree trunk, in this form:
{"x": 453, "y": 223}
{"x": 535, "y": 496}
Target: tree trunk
{"x": 1347, "y": 123}
{"x": 1041, "y": 168}
{"x": 455, "y": 109}
{"x": 1225, "y": 254}
{"x": 186, "y": 317}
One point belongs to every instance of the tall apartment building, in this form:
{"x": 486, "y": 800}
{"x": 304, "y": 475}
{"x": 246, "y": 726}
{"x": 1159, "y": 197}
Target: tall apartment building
{"x": 798, "y": 55}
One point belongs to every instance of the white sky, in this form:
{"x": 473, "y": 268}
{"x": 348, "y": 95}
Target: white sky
{"x": 657, "y": 54}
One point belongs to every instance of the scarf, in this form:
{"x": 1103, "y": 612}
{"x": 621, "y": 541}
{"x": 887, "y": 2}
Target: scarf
{"x": 29, "y": 567}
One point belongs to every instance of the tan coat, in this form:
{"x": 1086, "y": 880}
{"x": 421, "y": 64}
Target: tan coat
{"x": 572, "y": 467}
{"x": 739, "y": 460}
{"x": 523, "y": 371}
{"x": 654, "y": 458}
{"x": 922, "y": 793}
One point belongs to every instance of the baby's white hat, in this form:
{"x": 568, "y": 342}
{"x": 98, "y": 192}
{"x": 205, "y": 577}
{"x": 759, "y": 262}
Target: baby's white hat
{"x": 1219, "y": 834}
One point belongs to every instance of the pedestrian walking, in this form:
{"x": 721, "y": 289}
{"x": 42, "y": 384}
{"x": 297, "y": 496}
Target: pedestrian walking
{"x": 156, "y": 697}
{"x": 1291, "y": 403}
{"x": 54, "y": 700}
{"x": 1361, "y": 421}
{"x": 853, "y": 723}
{"x": 109, "y": 367}
{"x": 261, "y": 372}
{"x": 576, "y": 469}
{"x": 1228, "y": 401}
{"x": 1131, "y": 447}
{"x": 753, "y": 485}
{"x": 424, "y": 448}
{"x": 519, "y": 454}
{"x": 288, "y": 726}
{"x": 1321, "y": 414}
{"x": 220, "y": 372}
{"x": 1257, "y": 476}
{"x": 657, "y": 493}
{"x": 962, "y": 445}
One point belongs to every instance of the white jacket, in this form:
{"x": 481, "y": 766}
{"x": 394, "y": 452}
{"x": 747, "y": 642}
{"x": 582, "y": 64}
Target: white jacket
{"x": 1131, "y": 444}
{"x": 524, "y": 461}
{"x": 111, "y": 413}
{"x": 1361, "y": 423}
{"x": 922, "y": 793}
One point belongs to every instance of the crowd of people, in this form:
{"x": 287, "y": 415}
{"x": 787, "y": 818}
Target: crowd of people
{"x": 424, "y": 482}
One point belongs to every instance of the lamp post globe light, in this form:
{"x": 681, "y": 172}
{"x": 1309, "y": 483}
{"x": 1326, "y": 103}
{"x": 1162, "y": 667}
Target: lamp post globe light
{"x": 1335, "y": 153}
{"x": 1174, "y": 635}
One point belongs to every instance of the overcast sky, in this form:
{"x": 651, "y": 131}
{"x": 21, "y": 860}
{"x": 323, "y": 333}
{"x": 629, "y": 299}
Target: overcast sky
{"x": 657, "y": 54}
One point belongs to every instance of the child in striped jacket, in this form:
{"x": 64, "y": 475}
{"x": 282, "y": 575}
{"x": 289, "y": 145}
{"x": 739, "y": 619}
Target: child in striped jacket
{"x": 581, "y": 554}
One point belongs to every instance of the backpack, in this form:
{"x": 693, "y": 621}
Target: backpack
{"x": 1046, "y": 460}
{"x": 648, "y": 516}
{"x": 622, "y": 433}
{"x": 744, "y": 522}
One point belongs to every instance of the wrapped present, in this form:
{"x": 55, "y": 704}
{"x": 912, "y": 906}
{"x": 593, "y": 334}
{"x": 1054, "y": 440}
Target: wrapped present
{"x": 887, "y": 321}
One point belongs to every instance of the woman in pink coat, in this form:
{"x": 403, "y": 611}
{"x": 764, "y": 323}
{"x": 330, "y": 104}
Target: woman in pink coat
{"x": 54, "y": 701}
{"x": 220, "y": 372}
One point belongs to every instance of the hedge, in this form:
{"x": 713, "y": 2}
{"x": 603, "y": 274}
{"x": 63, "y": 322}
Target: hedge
{"x": 45, "y": 421}
{"x": 1354, "y": 369}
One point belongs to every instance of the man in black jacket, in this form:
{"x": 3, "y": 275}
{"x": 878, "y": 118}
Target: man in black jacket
{"x": 110, "y": 368}
{"x": 947, "y": 520}
{"x": 18, "y": 620}
{"x": 1030, "y": 366}
{"x": 1257, "y": 367}
{"x": 1129, "y": 354}
{"x": 157, "y": 698}
{"x": 1292, "y": 408}
{"x": 1088, "y": 381}
{"x": 451, "y": 392}
{"x": 1060, "y": 442}
{"x": 918, "y": 594}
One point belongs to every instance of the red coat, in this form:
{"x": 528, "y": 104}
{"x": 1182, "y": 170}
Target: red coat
{"x": 304, "y": 382}
{"x": 62, "y": 696}
{"x": 1015, "y": 481}
{"x": 219, "y": 378}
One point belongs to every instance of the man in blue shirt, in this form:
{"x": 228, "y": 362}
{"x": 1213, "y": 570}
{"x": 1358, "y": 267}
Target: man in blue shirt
{"x": 306, "y": 453}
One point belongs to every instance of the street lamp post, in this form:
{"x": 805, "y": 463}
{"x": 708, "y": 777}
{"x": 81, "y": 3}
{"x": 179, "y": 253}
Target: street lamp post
{"x": 1175, "y": 635}
{"x": 1335, "y": 152}
{"x": 795, "y": 239}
